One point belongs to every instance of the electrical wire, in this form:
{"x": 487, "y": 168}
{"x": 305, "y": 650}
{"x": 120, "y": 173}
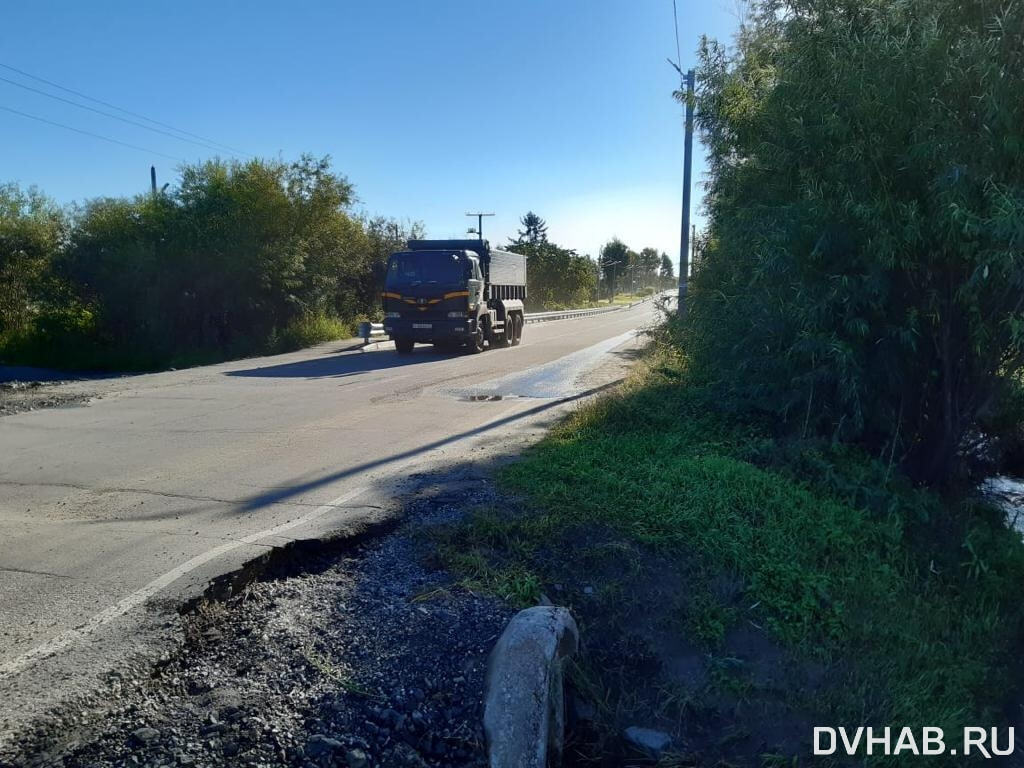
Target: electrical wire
{"x": 108, "y": 114}
{"x": 121, "y": 109}
{"x": 90, "y": 133}
{"x": 679, "y": 55}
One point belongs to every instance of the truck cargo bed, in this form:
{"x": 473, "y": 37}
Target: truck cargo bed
{"x": 507, "y": 268}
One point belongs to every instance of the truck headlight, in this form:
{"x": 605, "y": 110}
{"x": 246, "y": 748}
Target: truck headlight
{"x": 457, "y": 315}
{"x": 392, "y": 315}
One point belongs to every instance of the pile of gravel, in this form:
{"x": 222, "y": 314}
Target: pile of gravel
{"x": 20, "y": 396}
{"x": 367, "y": 658}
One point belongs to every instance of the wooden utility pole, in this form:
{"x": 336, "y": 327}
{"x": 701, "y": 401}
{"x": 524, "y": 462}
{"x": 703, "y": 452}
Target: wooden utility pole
{"x": 684, "y": 245}
{"x": 480, "y": 223}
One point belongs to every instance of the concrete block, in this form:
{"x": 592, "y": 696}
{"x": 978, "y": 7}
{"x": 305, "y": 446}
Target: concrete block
{"x": 524, "y": 700}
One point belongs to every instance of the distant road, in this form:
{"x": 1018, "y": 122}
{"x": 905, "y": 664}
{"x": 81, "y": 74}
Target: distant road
{"x": 113, "y": 513}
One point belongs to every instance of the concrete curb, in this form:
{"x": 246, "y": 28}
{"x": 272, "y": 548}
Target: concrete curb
{"x": 351, "y": 345}
{"x": 524, "y": 701}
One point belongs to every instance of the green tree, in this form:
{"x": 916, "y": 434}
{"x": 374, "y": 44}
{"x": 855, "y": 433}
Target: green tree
{"x": 649, "y": 260}
{"x": 614, "y": 261}
{"x": 558, "y": 277}
{"x": 235, "y": 258}
{"x": 224, "y": 261}
{"x": 667, "y": 270}
{"x": 863, "y": 272}
{"x": 33, "y": 230}
{"x": 534, "y": 231}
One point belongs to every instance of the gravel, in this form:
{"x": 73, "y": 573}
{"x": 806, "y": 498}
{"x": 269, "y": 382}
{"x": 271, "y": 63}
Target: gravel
{"x": 364, "y": 658}
{"x": 19, "y": 396}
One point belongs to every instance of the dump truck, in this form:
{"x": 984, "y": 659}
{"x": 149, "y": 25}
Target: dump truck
{"x": 454, "y": 294}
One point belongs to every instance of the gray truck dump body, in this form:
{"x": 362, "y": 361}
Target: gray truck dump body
{"x": 507, "y": 268}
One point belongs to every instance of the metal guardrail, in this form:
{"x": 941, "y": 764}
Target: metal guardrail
{"x": 369, "y": 331}
{"x": 543, "y": 317}
{"x": 540, "y": 317}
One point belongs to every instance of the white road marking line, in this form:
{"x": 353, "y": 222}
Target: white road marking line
{"x": 139, "y": 596}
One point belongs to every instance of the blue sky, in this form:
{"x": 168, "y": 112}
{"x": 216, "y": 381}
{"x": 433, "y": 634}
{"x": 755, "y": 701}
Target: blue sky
{"x": 430, "y": 108}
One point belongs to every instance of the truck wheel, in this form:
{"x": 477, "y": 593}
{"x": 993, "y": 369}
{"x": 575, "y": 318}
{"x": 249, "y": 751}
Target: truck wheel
{"x": 517, "y": 329}
{"x": 502, "y": 339}
{"x": 476, "y": 343}
{"x": 404, "y": 346}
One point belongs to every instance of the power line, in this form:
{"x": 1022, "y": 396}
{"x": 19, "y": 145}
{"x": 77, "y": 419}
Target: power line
{"x": 108, "y": 114}
{"x": 679, "y": 55}
{"x": 90, "y": 133}
{"x": 121, "y": 109}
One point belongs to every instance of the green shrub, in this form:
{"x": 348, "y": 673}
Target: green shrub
{"x": 32, "y": 231}
{"x": 863, "y": 268}
{"x": 307, "y": 330}
{"x": 237, "y": 259}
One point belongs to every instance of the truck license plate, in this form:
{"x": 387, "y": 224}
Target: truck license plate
{"x": 421, "y": 325}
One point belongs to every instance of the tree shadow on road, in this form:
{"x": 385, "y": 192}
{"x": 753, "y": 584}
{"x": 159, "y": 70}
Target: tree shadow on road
{"x": 287, "y": 494}
{"x": 283, "y": 494}
{"x": 337, "y": 366}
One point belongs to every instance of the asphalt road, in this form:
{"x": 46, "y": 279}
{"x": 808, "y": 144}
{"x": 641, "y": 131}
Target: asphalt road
{"x": 115, "y": 512}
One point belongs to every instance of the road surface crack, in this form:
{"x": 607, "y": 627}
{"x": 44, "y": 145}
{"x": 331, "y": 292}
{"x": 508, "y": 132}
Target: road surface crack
{"x": 35, "y": 573}
{"x": 140, "y": 491}
{"x": 184, "y": 496}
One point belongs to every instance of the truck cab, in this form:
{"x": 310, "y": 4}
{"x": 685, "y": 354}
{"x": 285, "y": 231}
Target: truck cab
{"x": 440, "y": 292}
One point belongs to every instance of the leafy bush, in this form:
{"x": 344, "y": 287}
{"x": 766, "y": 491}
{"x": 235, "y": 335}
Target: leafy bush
{"x": 558, "y": 277}
{"x": 863, "y": 274}
{"x": 32, "y": 230}
{"x": 238, "y": 258}
{"x": 233, "y": 254}
{"x": 308, "y": 330}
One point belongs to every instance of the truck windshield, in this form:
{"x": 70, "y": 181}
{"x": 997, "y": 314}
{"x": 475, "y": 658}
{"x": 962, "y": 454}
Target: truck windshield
{"x": 425, "y": 267}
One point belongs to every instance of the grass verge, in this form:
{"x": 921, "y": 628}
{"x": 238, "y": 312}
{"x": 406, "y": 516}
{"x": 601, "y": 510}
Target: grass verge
{"x": 307, "y": 330}
{"x": 72, "y": 344}
{"x": 736, "y": 590}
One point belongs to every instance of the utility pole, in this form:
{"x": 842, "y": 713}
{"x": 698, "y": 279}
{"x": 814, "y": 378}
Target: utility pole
{"x": 684, "y": 246}
{"x": 152, "y": 178}
{"x": 693, "y": 245}
{"x": 480, "y": 223}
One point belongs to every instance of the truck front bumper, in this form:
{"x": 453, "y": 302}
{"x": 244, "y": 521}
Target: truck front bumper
{"x": 430, "y": 329}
